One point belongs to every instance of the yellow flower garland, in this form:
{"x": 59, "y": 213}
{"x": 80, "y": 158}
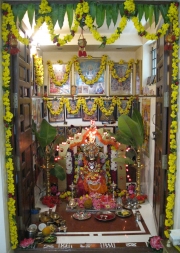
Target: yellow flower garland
{"x": 84, "y": 79}
{"x": 8, "y": 116}
{"x": 98, "y": 74}
{"x": 39, "y": 70}
{"x": 172, "y": 159}
{"x": 114, "y": 72}
{"x": 82, "y": 102}
{"x": 66, "y": 74}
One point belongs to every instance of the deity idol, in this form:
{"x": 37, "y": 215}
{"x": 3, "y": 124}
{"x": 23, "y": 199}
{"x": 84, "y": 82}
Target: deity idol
{"x": 92, "y": 177}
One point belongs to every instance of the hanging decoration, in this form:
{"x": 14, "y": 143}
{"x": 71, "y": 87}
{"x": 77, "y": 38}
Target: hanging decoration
{"x": 13, "y": 43}
{"x": 97, "y": 102}
{"x": 169, "y": 39}
{"x": 82, "y": 44}
{"x": 39, "y": 70}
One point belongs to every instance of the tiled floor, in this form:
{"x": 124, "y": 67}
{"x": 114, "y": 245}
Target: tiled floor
{"x": 139, "y": 235}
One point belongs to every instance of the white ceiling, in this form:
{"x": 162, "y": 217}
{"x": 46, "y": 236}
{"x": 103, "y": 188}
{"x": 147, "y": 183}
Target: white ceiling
{"x": 128, "y": 40}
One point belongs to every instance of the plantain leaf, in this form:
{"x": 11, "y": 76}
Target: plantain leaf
{"x": 131, "y": 129}
{"x": 146, "y": 10}
{"x": 140, "y": 9}
{"x": 92, "y": 10}
{"x": 31, "y": 9}
{"x": 123, "y": 160}
{"x": 46, "y": 134}
{"x": 137, "y": 117}
{"x": 69, "y": 9}
{"x": 151, "y": 12}
{"x": 121, "y": 9}
{"x": 61, "y": 14}
{"x": 108, "y": 14}
{"x": 156, "y": 14}
{"x": 54, "y": 13}
{"x": 100, "y": 15}
{"x": 21, "y": 11}
{"x": 58, "y": 172}
{"x": 124, "y": 138}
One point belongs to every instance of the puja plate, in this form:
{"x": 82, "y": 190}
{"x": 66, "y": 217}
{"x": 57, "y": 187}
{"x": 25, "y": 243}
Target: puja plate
{"x": 81, "y": 216}
{"x": 133, "y": 207}
{"x": 123, "y": 213}
{"x": 105, "y": 216}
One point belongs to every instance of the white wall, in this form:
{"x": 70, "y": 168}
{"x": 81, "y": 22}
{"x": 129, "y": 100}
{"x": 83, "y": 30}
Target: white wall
{"x": 144, "y": 54}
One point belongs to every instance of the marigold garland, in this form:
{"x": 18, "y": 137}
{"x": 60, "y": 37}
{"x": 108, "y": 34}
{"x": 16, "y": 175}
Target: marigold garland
{"x": 127, "y": 73}
{"x": 84, "y": 79}
{"x": 172, "y": 159}
{"x": 97, "y": 102}
{"x": 39, "y": 70}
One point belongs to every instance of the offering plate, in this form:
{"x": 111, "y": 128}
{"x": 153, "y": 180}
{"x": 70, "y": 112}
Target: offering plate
{"x": 81, "y": 216}
{"x": 105, "y": 216}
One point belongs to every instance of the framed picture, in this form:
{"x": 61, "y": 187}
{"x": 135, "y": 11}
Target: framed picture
{"x": 89, "y": 69}
{"x": 61, "y": 130}
{"x": 73, "y": 107}
{"x": 71, "y": 131}
{"x": 56, "y": 118}
{"x": 120, "y": 88}
{"x": 108, "y": 129}
{"x": 123, "y": 107}
{"x": 53, "y": 89}
{"x": 138, "y": 76}
{"x": 86, "y": 117}
{"x": 103, "y": 117}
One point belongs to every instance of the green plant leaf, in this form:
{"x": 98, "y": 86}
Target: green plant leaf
{"x": 100, "y": 15}
{"x": 146, "y": 10}
{"x": 166, "y": 11}
{"x": 123, "y": 160}
{"x": 121, "y": 9}
{"x": 156, "y": 14}
{"x": 92, "y": 10}
{"x": 31, "y": 9}
{"x": 130, "y": 128}
{"x": 151, "y": 13}
{"x": 140, "y": 10}
{"x": 61, "y": 14}
{"x": 108, "y": 14}
{"x": 124, "y": 138}
{"x": 54, "y": 13}
{"x": 15, "y": 11}
{"x": 115, "y": 12}
{"x": 70, "y": 13}
{"x": 21, "y": 11}
{"x": 137, "y": 117}
{"x": 58, "y": 172}
{"x": 46, "y": 134}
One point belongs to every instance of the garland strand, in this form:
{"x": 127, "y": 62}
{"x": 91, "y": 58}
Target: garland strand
{"x": 82, "y": 102}
{"x": 98, "y": 74}
{"x": 39, "y": 70}
{"x": 172, "y": 158}
{"x": 7, "y": 19}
